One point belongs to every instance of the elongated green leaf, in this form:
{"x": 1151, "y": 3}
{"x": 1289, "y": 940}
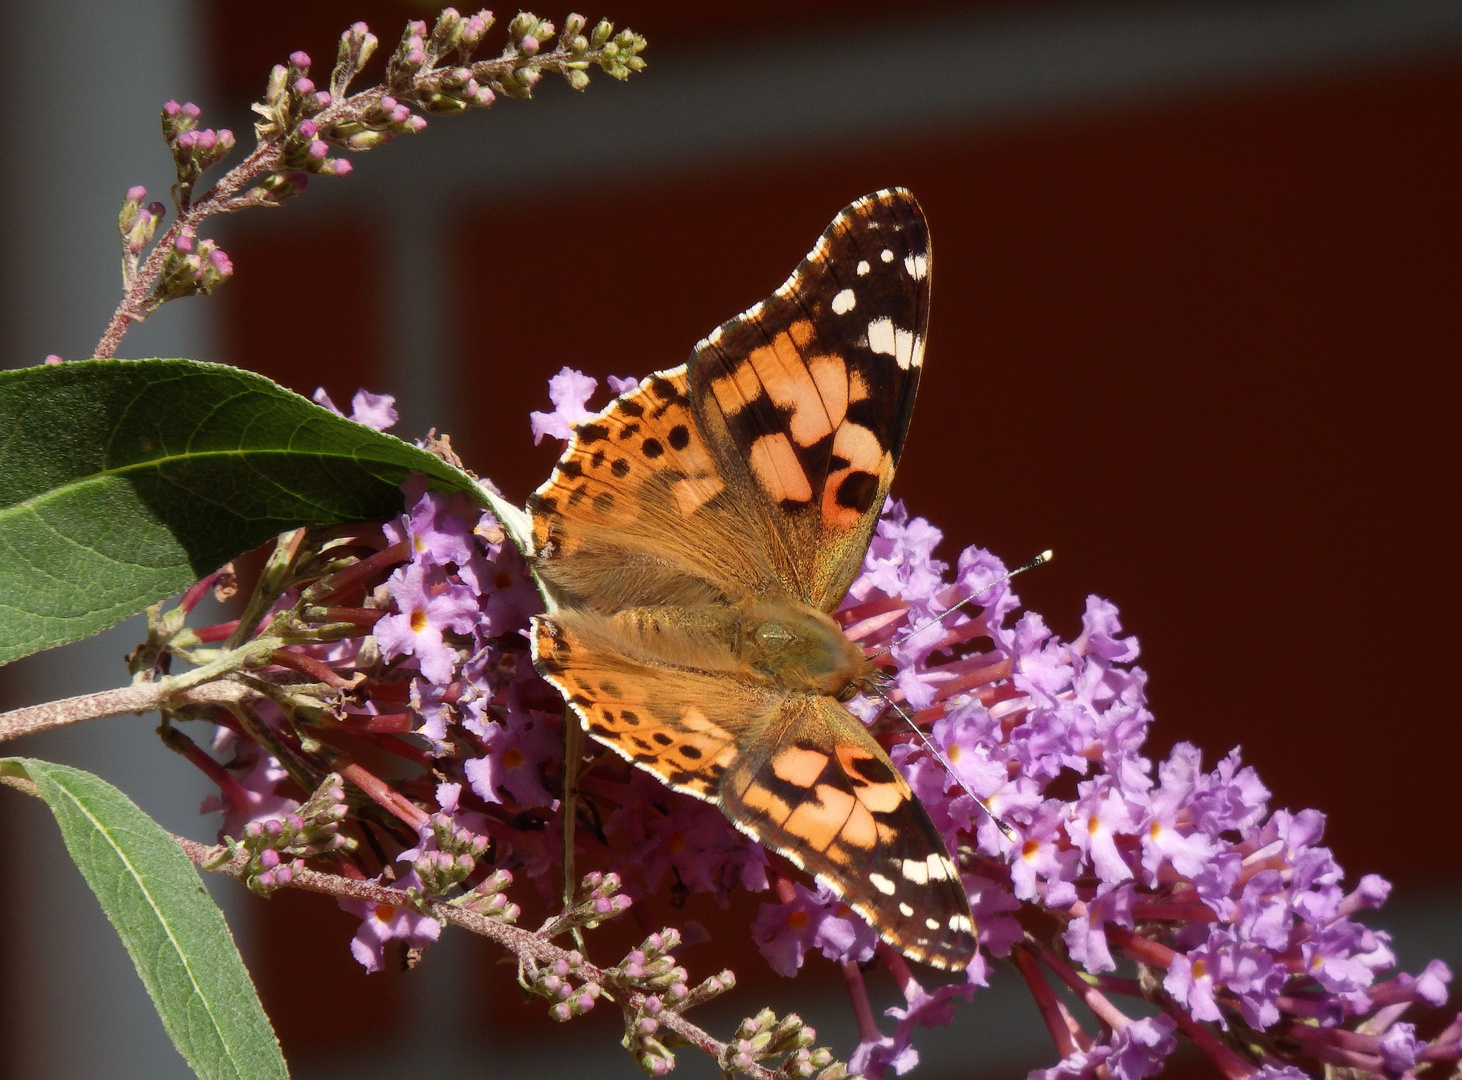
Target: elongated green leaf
{"x": 173, "y": 931}
{"x": 124, "y": 481}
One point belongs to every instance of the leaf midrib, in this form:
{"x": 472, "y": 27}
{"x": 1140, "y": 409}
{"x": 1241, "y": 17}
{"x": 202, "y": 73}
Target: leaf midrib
{"x": 40, "y": 497}
{"x": 182, "y": 955}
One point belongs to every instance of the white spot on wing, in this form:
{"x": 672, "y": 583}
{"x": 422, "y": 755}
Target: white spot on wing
{"x": 886, "y": 255}
{"x": 917, "y": 266}
{"x": 863, "y": 267}
{"x": 882, "y": 884}
{"x": 843, "y": 302}
{"x": 932, "y": 924}
{"x": 905, "y": 346}
{"x": 906, "y": 911}
{"x": 917, "y": 871}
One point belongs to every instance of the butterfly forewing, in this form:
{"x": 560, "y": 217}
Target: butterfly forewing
{"x": 806, "y": 397}
{"x": 626, "y": 516}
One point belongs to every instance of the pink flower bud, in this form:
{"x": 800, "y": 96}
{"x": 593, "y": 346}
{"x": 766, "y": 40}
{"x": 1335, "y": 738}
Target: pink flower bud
{"x": 187, "y": 139}
{"x": 388, "y": 103}
{"x": 221, "y": 263}
{"x": 136, "y": 193}
{"x": 191, "y": 111}
{"x": 170, "y": 108}
{"x": 416, "y": 58}
{"x": 418, "y": 123}
{"x": 341, "y": 167}
{"x": 53, "y": 358}
{"x": 318, "y": 150}
{"x": 156, "y": 209}
{"x": 485, "y": 96}
{"x": 322, "y": 98}
{"x": 269, "y": 858}
{"x": 360, "y": 29}
{"x": 308, "y": 128}
{"x": 303, "y": 86}
{"x": 207, "y": 139}
{"x": 299, "y": 59}
{"x": 530, "y": 44}
{"x": 183, "y": 242}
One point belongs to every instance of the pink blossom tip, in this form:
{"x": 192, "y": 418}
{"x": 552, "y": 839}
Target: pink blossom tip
{"x": 299, "y": 58}
{"x": 191, "y": 111}
{"x": 309, "y": 129}
{"x": 530, "y": 44}
{"x": 303, "y": 86}
{"x": 170, "y": 108}
{"x": 342, "y": 167}
{"x": 54, "y": 358}
{"x": 136, "y": 193}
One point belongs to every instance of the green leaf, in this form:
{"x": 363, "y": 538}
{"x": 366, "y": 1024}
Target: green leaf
{"x": 122, "y": 482}
{"x": 172, "y": 929}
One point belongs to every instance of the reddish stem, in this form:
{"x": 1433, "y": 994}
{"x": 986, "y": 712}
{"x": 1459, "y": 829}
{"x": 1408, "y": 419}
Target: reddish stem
{"x": 1090, "y": 996}
{"x": 356, "y": 574}
{"x": 1047, "y": 1004}
{"x": 364, "y": 617}
{"x": 1184, "y": 913}
{"x": 308, "y": 665}
{"x": 978, "y": 677}
{"x": 377, "y": 723}
{"x": 382, "y": 794}
{"x": 862, "y": 1007}
{"x": 1224, "y": 1060}
{"x": 898, "y": 967}
{"x": 216, "y": 632}
{"x": 1140, "y": 948}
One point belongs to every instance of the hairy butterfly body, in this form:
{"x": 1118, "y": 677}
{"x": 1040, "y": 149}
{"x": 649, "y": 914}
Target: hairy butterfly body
{"x": 697, "y": 534}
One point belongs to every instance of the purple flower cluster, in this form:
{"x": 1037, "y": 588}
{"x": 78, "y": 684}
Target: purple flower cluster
{"x": 1168, "y": 875}
{"x": 1243, "y": 914}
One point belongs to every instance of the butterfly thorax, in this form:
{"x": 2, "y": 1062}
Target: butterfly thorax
{"x": 800, "y": 648}
{"x": 776, "y": 640}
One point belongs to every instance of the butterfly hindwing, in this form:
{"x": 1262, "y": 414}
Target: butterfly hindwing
{"x": 805, "y": 398}
{"x": 796, "y": 772}
{"x": 685, "y": 726}
{"x": 825, "y": 795}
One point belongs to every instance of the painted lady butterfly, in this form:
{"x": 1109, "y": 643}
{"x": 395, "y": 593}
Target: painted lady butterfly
{"x": 695, "y": 538}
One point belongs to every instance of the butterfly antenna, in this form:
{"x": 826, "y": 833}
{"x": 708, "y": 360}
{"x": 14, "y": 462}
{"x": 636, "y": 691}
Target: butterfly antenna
{"x": 939, "y": 756}
{"x": 1040, "y": 560}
